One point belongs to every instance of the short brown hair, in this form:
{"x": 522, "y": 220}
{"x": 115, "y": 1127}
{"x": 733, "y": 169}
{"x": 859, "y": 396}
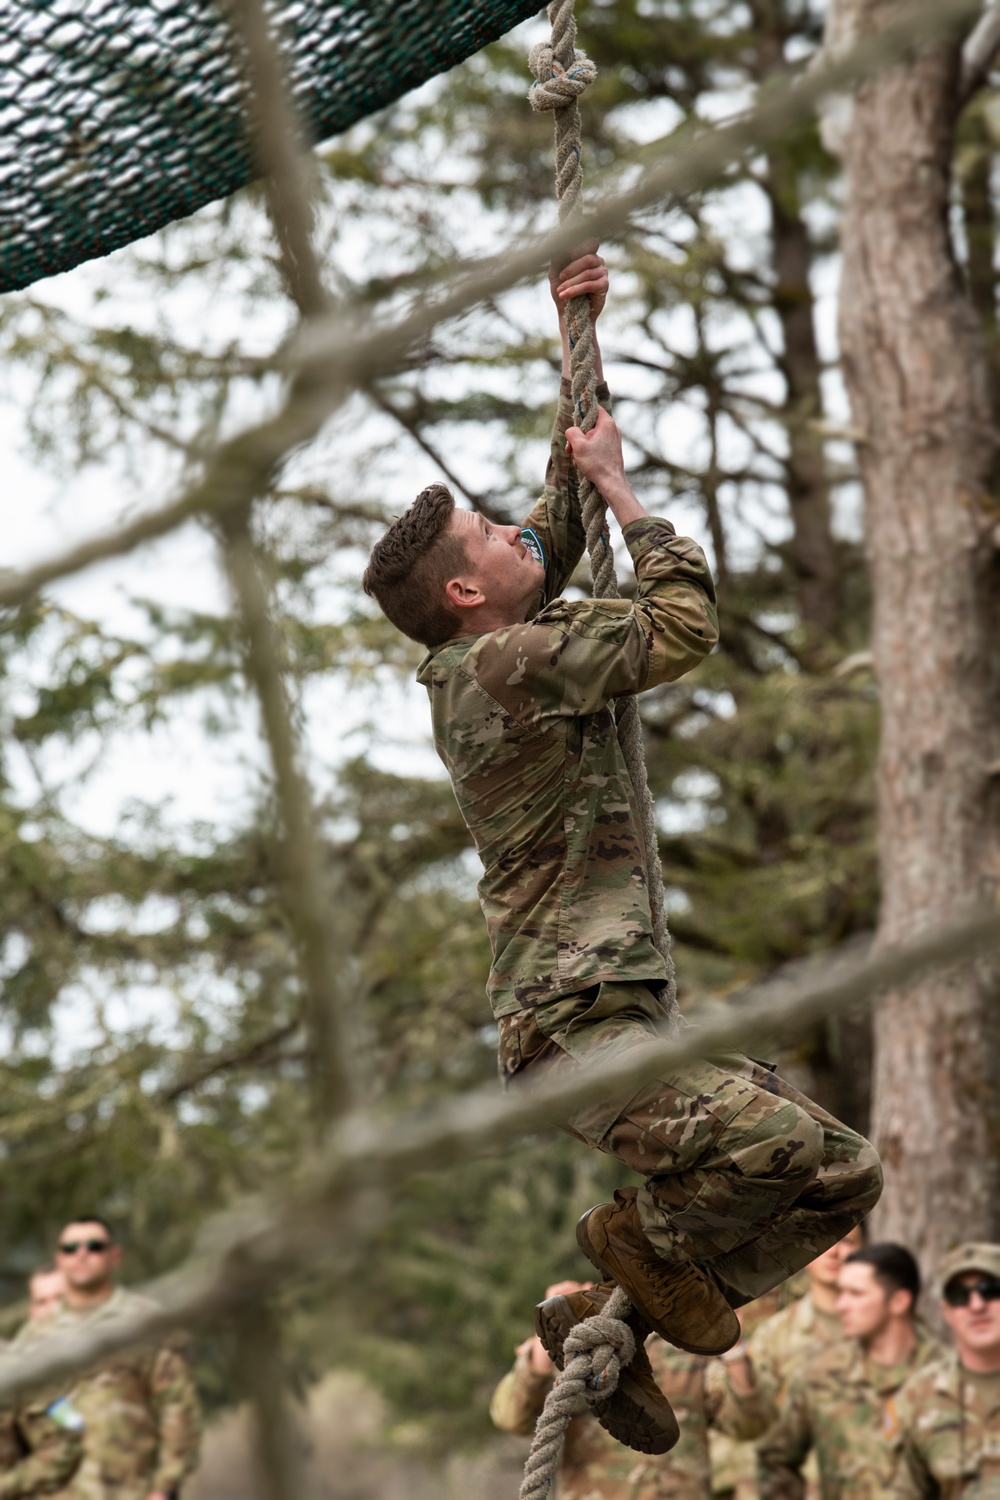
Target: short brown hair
{"x": 411, "y": 564}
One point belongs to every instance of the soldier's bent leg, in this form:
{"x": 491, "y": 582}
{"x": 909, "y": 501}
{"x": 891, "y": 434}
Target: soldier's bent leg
{"x": 744, "y": 1175}
{"x": 845, "y": 1189}
{"x": 724, "y": 1159}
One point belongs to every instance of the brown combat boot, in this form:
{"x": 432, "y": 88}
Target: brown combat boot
{"x": 677, "y": 1300}
{"x": 636, "y": 1413}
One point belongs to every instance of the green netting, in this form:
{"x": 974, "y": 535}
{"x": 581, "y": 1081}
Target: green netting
{"x": 118, "y": 116}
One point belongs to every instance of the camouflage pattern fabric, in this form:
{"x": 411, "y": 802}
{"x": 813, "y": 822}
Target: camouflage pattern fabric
{"x": 41, "y": 1444}
{"x": 143, "y": 1424}
{"x": 743, "y": 1174}
{"x": 10, "y": 1444}
{"x": 783, "y": 1341}
{"x": 734, "y": 1462}
{"x": 946, "y": 1424}
{"x": 523, "y": 720}
{"x": 778, "y": 1345}
{"x": 839, "y": 1405}
{"x": 595, "y": 1467}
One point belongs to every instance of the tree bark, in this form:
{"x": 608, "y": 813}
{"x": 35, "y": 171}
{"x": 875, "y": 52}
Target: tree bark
{"x": 916, "y": 367}
{"x": 813, "y": 550}
{"x": 979, "y": 218}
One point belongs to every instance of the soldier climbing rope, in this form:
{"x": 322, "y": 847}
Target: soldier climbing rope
{"x": 598, "y": 1348}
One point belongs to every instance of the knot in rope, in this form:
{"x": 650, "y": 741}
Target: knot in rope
{"x": 555, "y": 86}
{"x": 595, "y": 1351}
{"x": 610, "y": 1344}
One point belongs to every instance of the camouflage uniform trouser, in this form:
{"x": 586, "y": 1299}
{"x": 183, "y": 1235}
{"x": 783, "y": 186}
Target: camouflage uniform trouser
{"x": 743, "y": 1173}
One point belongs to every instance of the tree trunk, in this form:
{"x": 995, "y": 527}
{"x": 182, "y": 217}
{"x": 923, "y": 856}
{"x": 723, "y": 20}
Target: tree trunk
{"x": 976, "y": 193}
{"x": 813, "y": 550}
{"x": 916, "y": 369}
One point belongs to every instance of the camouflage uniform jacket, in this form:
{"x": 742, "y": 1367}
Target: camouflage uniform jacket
{"x": 838, "y": 1404}
{"x": 780, "y": 1344}
{"x": 523, "y": 721}
{"x": 141, "y": 1414}
{"x": 777, "y": 1344}
{"x": 595, "y": 1467}
{"x": 948, "y": 1434}
{"x": 41, "y": 1444}
{"x": 734, "y": 1462}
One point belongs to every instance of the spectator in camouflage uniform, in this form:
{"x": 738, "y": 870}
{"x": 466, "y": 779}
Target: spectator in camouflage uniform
{"x": 41, "y": 1441}
{"x": 41, "y": 1444}
{"x": 140, "y": 1411}
{"x": 947, "y": 1416}
{"x": 733, "y": 1461}
{"x": 838, "y": 1401}
{"x": 593, "y": 1466}
{"x": 778, "y": 1346}
{"x": 743, "y": 1176}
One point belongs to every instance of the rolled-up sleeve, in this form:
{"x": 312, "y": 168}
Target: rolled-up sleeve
{"x": 178, "y": 1417}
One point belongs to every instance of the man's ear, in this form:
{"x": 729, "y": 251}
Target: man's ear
{"x": 901, "y": 1303}
{"x": 464, "y": 593}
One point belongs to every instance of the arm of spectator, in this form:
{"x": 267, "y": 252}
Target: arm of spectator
{"x": 51, "y": 1442}
{"x": 736, "y": 1402}
{"x": 911, "y": 1477}
{"x": 178, "y": 1412}
{"x": 518, "y": 1399}
{"x": 783, "y": 1451}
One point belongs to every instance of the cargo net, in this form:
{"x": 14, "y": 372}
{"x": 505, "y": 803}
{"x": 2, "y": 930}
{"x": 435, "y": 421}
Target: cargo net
{"x": 119, "y": 116}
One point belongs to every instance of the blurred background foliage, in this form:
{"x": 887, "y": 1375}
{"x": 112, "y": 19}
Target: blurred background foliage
{"x": 761, "y": 762}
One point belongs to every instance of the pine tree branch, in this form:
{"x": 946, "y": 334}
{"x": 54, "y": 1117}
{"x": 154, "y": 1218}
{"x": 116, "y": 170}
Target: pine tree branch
{"x": 257, "y": 1050}
{"x": 312, "y": 911}
{"x": 413, "y": 429}
{"x": 277, "y": 144}
{"x": 278, "y": 1445}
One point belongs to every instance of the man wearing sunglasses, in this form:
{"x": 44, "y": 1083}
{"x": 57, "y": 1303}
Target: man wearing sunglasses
{"x": 837, "y": 1400}
{"x": 948, "y": 1415}
{"x": 140, "y": 1413}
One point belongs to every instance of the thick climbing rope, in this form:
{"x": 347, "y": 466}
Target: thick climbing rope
{"x": 561, "y": 75}
{"x": 596, "y": 1351}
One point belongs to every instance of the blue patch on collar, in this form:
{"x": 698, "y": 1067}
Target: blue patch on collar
{"x": 533, "y": 544}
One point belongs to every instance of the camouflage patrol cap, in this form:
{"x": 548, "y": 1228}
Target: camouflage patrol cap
{"x": 969, "y": 1258}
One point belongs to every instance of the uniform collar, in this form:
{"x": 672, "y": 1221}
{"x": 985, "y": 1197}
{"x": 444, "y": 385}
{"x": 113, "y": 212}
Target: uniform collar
{"x": 886, "y": 1379}
{"x": 459, "y": 644}
{"x": 111, "y": 1307}
{"x": 810, "y": 1316}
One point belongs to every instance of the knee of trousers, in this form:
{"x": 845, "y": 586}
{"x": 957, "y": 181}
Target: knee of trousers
{"x": 782, "y": 1145}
